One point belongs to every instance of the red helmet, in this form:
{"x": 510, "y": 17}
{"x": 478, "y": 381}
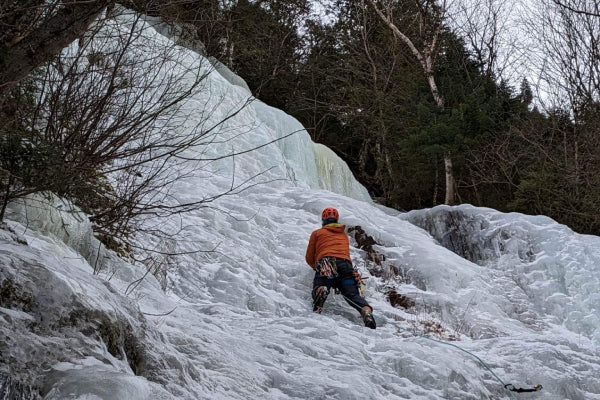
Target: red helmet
{"x": 330, "y": 212}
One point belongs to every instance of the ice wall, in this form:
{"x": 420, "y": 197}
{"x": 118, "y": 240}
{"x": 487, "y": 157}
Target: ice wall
{"x": 226, "y": 73}
{"x": 300, "y": 161}
{"x": 61, "y": 220}
{"x": 66, "y": 333}
{"x": 236, "y": 320}
{"x": 556, "y": 268}
{"x": 334, "y": 175}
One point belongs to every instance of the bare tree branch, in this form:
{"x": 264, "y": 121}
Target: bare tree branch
{"x": 583, "y": 11}
{"x": 47, "y": 40}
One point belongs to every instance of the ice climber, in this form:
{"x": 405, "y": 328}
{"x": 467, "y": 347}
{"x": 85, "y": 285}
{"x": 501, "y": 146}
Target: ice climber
{"x": 328, "y": 253}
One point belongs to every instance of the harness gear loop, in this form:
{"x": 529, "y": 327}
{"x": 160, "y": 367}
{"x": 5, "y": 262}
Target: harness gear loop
{"x": 512, "y": 388}
{"x": 359, "y": 281}
{"x": 327, "y": 267}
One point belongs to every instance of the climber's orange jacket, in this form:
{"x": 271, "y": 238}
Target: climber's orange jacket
{"x": 330, "y": 240}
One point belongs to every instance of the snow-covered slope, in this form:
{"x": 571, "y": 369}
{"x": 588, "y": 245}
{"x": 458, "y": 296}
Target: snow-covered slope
{"x": 236, "y": 321}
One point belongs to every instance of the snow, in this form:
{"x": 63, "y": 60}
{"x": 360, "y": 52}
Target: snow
{"x": 556, "y": 269}
{"x": 99, "y": 382}
{"x": 235, "y": 322}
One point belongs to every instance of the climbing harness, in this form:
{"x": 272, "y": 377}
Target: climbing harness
{"x": 507, "y": 386}
{"x": 327, "y": 267}
{"x": 511, "y": 387}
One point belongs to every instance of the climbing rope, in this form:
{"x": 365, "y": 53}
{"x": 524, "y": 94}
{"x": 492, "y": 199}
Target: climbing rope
{"x": 486, "y": 366}
{"x": 507, "y": 386}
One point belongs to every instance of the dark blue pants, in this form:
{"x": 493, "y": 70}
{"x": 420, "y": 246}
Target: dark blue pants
{"x": 344, "y": 282}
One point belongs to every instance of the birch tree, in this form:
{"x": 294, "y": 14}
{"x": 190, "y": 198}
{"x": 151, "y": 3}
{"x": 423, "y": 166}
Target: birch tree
{"x": 425, "y": 47}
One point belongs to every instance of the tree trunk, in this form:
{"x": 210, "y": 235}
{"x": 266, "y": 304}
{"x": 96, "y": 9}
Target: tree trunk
{"x": 6, "y": 199}
{"x": 436, "y": 183}
{"x": 47, "y": 41}
{"x": 363, "y": 158}
{"x": 450, "y": 183}
{"x": 425, "y": 58}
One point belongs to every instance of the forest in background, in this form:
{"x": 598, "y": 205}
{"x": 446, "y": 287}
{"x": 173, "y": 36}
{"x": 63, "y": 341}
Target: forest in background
{"x": 413, "y": 97}
{"x": 360, "y": 89}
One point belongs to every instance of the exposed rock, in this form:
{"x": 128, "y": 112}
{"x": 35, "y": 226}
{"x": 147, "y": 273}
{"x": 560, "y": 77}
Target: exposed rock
{"x": 399, "y": 300}
{"x": 366, "y": 243}
{"x": 469, "y": 235}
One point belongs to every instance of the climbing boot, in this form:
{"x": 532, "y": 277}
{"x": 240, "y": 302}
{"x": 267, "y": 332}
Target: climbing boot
{"x": 320, "y": 297}
{"x": 367, "y": 315}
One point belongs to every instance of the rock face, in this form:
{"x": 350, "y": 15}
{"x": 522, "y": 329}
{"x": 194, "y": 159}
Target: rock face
{"x": 461, "y": 232}
{"x": 470, "y": 233}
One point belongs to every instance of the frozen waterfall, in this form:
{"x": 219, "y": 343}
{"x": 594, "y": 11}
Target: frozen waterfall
{"x": 235, "y": 320}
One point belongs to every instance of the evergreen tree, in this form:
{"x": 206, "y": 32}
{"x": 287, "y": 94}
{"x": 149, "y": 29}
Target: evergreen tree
{"x": 263, "y": 45}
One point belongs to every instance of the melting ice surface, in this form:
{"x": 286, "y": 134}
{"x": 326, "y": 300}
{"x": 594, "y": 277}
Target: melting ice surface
{"x": 235, "y": 321}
